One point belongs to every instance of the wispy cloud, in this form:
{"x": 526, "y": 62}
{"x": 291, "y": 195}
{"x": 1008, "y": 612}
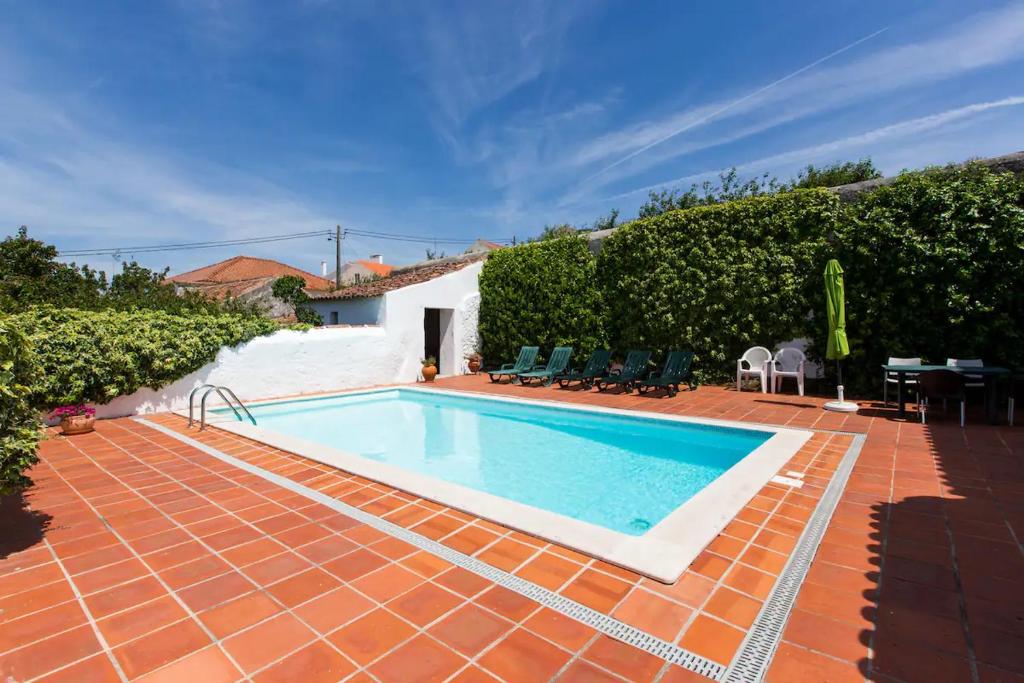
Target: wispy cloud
{"x": 902, "y": 130}
{"x": 988, "y": 39}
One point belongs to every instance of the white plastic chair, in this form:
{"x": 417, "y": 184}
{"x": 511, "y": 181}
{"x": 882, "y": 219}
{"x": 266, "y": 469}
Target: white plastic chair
{"x": 753, "y": 363}
{"x": 892, "y": 378}
{"x": 973, "y": 381}
{"x": 788, "y": 362}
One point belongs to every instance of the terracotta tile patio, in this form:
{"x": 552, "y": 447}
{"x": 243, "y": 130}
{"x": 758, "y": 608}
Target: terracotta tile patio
{"x": 137, "y": 556}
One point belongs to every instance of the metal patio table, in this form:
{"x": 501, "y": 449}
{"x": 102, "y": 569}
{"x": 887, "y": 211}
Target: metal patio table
{"x": 990, "y": 374}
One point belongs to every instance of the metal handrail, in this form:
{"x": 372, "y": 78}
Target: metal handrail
{"x": 191, "y": 401}
{"x": 227, "y": 398}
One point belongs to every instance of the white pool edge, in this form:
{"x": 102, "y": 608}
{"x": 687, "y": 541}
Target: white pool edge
{"x": 662, "y": 553}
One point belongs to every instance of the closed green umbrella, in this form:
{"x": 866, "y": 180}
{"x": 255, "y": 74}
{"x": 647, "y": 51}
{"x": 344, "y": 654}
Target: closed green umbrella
{"x": 838, "y": 347}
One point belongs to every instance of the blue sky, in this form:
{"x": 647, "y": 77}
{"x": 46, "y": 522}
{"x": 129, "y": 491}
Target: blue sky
{"x": 141, "y": 123}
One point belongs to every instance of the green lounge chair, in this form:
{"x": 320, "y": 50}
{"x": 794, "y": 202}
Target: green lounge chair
{"x": 629, "y": 375}
{"x": 675, "y": 371}
{"x": 596, "y": 368}
{"x": 525, "y": 362}
{"x": 557, "y": 364}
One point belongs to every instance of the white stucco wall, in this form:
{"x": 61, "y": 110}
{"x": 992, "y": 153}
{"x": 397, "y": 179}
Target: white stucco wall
{"x": 324, "y": 359}
{"x": 368, "y": 311}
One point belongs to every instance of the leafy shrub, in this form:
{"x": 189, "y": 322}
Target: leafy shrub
{"x": 96, "y": 356}
{"x": 934, "y": 268}
{"x": 717, "y": 279}
{"x": 19, "y": 422}
{"x": 541, "y": 294}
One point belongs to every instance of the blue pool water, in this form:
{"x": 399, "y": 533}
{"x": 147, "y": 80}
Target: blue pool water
{"x": 623, "y": 473}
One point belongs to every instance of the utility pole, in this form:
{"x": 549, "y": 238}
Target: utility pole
{"x": 337, "y": 256}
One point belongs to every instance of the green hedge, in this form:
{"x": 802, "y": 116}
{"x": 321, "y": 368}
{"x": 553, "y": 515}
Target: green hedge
{"x": 96, "y": 356}
{"x": 543, "y": 293}
{"x": 717, "y": 279}
{"x": 934, "y": 267}
{"x": 19, "y": 422}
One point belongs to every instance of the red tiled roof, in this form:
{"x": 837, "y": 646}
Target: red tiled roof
{"x": 401, "y": 277}
{"x": 244, "y": 268}
{"x": 382, "y": 269}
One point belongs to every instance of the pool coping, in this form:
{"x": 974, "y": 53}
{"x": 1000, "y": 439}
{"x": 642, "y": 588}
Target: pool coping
{"x": 662, "y": 553}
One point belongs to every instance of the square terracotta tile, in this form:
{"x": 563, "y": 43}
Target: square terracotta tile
{"x": 560, "y": 629}
{"x": 388, "y": 582}
{"x": 239, "y": 613}
{"x": 463, "y": 582}
{"x": 267, "y": 642}
{"x": 654, "y": 614}
{"x": 316, "y": 662}
{"x": 425, "y": 603}
{"x": 712, "y": 639}
{"x": 139, "y": 621}
{"x": 354, "y": 565}
{"x": 331, "y": 610}
{"x": 470, "y": 629}
{"x": 507, "y": 603}
{"x": 548, "y": 570}
{"x": 300, "y": 588}
{"x": 596, "y": 590}
{"x": 161, "y": 647}
{"x": 421, "y": 660}
{"x": 524, "y": 657}
{"x": 46, "y": 655}
{"x": 736, "y": 608}
{"x": 371, "y": 635}
{"x": 623, "y": 659}
{"x": 215, "y": 591}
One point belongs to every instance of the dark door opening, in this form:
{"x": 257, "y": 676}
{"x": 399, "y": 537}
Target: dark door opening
{"x": 432, "y": 333}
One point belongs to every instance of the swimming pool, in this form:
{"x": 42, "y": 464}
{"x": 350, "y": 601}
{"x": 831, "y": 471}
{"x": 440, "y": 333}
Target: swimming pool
{"x": 593, "y": 479}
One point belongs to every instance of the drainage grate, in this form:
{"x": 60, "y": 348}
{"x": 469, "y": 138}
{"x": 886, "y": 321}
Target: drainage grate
{"x": 757, "y": 649}
{"x": 601, "y": 622}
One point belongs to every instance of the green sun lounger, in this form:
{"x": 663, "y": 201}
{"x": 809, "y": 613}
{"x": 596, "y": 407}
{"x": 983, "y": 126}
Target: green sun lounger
{"x": 634, "y": 368}
{"x": 557, "y": 364}
{"x": 675, "y": 371}
{"x": 595, "y": 368}
{"x": 525, "y": 363}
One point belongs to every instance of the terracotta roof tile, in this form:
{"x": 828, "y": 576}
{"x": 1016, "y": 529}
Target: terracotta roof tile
{"x": 245, "y": 268}
{"x": 382, "y": 269}
{"x": 401, "y": 277}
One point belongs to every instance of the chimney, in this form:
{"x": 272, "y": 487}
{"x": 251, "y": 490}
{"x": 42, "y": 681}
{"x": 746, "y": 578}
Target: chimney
{"x": 377, "y": 258}
{"x": 323, "y": 269}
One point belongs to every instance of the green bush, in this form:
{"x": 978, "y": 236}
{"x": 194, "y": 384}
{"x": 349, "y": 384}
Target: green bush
{"x": 934, "y": 268}
{"x": 717, "y": 279}
{"x": 96, "y": 356}
{"x": 541, "y": 294}
{"x": 19, "y": 422}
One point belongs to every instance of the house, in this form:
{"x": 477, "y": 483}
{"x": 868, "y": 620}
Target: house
{"x": 363, "y": 270}
{"x": 482, "y": 246}
{"x": 426, "y": 309}
{"x": 247, "y": 278}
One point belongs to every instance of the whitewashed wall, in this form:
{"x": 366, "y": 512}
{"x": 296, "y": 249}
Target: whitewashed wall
{"x": 324, "y": 359}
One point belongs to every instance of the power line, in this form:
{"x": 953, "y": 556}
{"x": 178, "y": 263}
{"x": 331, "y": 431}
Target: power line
{"x": 188, "y": 246}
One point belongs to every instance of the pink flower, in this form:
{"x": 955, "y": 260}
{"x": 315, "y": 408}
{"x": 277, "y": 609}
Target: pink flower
{"x": 72, "y": 411}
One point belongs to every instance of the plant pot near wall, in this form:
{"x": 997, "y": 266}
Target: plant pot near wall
{"x": 429, "y": 373}
{"x": 474, "y": 365}
{"x": 77, "y": 424}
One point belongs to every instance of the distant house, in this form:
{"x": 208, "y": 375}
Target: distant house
{"x": 482, "y": 247}
{"x": 429, "y": 309}
{"x": 363, "y": 270}
{"x": 247, "y": 278}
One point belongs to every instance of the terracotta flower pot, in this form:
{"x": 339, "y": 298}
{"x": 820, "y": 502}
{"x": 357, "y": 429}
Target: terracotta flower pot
{"x": 474, "y": 365}
{"x": 429, "y": 373}
{"x": 77, "y": 424}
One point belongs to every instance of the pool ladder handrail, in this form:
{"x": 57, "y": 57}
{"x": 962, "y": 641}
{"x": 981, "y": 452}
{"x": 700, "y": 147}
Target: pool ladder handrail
{"x": 226, "y": 397}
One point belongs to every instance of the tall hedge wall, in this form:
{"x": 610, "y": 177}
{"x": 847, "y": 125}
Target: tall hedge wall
{"x": 96, "y": 356}
{"x": 545, "y": 294}
{"x": 934, "y": 268}
{"x": 19, "y": 422}
{"x": 716, "y": 279}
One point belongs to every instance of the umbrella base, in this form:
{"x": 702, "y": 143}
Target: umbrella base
{"x": 841, "y": 406}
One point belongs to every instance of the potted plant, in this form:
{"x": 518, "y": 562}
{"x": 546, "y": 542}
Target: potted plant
{"x": 75, "y": 419}
{"x": 429, "y": 368}
{"x": 474, "y": 361}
